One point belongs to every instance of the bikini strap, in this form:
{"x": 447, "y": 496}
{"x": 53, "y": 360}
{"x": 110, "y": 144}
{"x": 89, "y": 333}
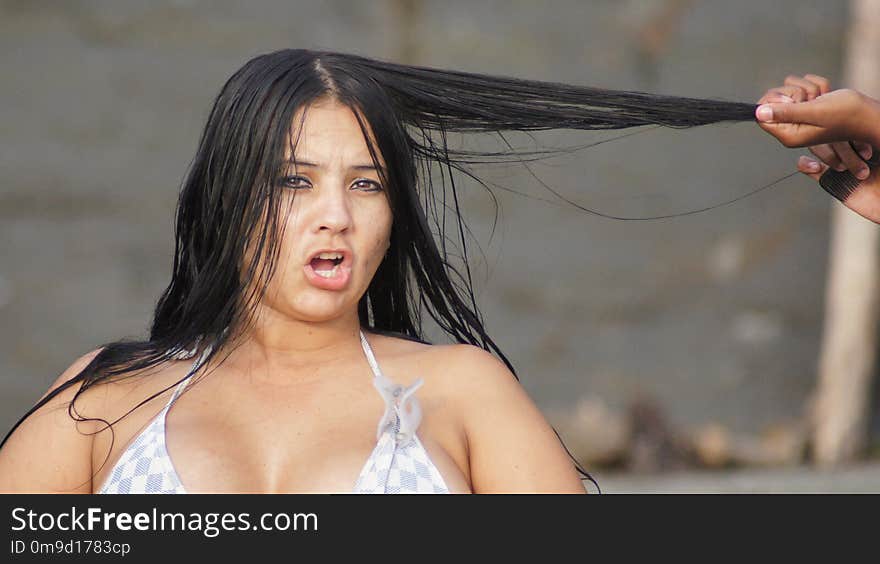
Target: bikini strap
{"x": 193, "y": 369}
{"x": 368, "y": 352}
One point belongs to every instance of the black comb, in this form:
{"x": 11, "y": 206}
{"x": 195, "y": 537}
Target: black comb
{"x": 841, "y": 185}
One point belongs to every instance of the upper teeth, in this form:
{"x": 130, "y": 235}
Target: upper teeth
{"x": 332, "y": 256}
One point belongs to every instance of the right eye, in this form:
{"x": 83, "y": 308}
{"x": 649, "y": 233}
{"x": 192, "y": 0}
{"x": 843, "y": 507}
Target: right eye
{"x": 295, "y": 182}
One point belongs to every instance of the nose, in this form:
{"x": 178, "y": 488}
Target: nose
{"x": 333, "y": 211}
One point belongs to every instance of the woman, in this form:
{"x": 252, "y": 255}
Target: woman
{"x": 292, "y": 324}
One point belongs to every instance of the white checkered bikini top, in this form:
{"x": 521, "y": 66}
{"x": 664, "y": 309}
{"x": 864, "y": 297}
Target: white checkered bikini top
{"x": 399, "y": 462}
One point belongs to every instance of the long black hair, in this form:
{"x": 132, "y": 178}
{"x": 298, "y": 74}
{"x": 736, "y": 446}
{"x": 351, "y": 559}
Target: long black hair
{"x": 229, "y": 199}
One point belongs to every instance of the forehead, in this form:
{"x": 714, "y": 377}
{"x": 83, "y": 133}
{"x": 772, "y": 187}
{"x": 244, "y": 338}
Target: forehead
{"x": 327, "y": 130}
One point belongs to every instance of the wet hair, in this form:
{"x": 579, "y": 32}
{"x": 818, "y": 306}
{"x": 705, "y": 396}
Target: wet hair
{"x": 230, "y": 198}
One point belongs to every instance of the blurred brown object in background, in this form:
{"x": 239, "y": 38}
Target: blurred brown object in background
{"x": 781, "y": 444}
{"x": 656, "y": 447}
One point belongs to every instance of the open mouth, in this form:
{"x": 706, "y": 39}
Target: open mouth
{"x": 330, "y": 269}
{"x": 327, "y": 264}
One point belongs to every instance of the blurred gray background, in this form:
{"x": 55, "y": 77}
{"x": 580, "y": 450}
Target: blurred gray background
{"x": 711, "y": 319}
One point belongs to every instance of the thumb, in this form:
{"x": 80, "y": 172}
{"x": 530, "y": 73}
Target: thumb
{"x": 785, "y": 113}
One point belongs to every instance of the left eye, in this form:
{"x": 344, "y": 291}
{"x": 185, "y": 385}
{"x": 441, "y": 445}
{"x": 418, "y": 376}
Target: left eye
{"x": 367, "y": 185}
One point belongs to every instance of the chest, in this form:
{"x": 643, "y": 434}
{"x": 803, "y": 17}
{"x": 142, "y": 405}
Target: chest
{"x": 304, "y": 441}
{"x": 309, "y": 439}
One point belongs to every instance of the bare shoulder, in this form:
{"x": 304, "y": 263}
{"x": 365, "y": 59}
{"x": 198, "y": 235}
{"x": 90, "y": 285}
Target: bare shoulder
{"x": 111, "y": 398}
{"x": 64, "y": 390}
{"x": 512, "y": 447}
{"x": 476, "y": 379}
{"x": 50, "y": 451}
{"x": 473, "y": 368}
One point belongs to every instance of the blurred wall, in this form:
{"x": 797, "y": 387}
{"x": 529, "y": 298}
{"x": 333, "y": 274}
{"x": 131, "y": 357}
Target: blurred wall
{"x": 715, "y": 316}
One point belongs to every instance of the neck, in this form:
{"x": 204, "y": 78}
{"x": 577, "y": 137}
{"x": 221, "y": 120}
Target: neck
{"x": 280, "y": 345}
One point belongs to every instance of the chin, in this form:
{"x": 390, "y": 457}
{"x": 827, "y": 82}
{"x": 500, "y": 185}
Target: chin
{"x": 316, "y": 311}
{"x": 318, "y": 317}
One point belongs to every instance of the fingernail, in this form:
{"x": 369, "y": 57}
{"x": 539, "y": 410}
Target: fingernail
{"x": 764, "y": 113}
{"x": 813, "y": 165}
{"x": 862, "y": 173}
{"x": 865, "y": 152}
{"x": 839, "y": 168}
{"x": 787, "y": 99}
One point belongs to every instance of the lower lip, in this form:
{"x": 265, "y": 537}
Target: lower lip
{"x": 339, "y": 280}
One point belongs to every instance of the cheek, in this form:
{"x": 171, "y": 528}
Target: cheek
{"x": 379, "y": 239}
{"x": 250, "y": 251}
{"x": 287, "y": 267}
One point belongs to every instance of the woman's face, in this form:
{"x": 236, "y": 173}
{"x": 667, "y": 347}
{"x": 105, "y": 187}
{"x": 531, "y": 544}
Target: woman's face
{"x": 338, "y": 227}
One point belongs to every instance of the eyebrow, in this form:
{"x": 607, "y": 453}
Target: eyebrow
{"x": 370, "y": 166}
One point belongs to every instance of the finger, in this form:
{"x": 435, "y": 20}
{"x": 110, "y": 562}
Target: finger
{"x": 811, "y": 88}
{"x": 864, "y": 149}
{"x": 787, "y": 93}
{"x": 775, "y": 97}
{"x": 828, "y": 155}
{"x": 796, "y": 93}
{"x": 823, "y": 83}
{"x": 813, "y": 169}
{"x": 851, "y": 160}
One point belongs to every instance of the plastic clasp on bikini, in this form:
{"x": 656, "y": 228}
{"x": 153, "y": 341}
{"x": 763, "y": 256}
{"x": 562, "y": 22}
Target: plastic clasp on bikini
{"x": 409, "y": 412}
{"x": 402, "y": 402}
